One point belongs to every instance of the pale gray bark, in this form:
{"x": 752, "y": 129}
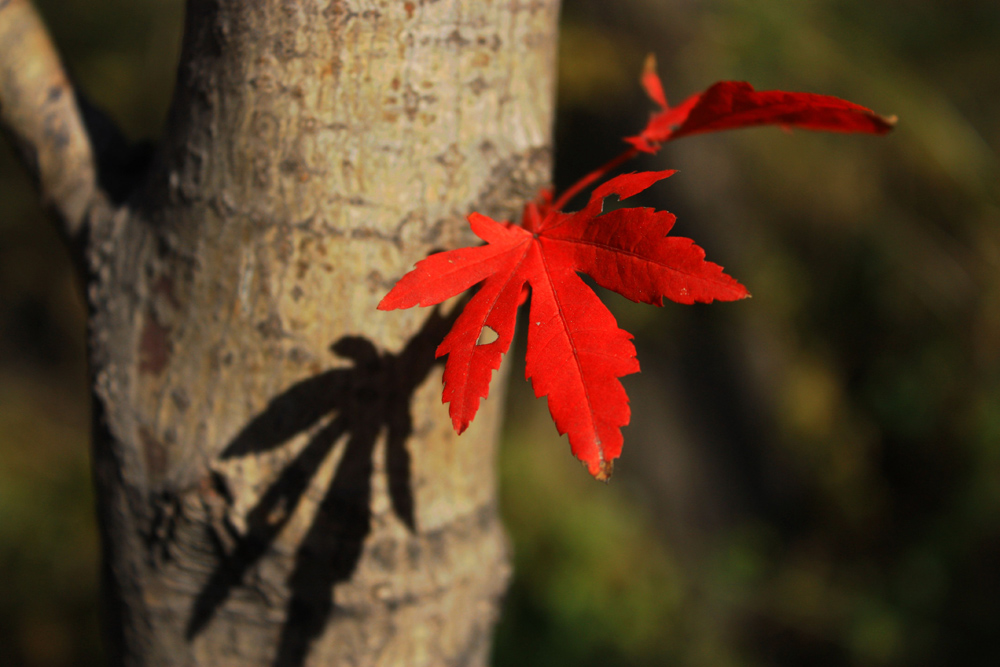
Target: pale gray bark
{"x": 278, "y": 481}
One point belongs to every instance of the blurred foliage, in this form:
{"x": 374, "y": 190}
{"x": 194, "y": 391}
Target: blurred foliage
{"x": 818, "y": 468}
{"x": 812, "y": 477}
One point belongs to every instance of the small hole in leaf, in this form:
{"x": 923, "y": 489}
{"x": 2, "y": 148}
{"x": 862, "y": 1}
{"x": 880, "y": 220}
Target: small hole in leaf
{"x": 487, "y": 336}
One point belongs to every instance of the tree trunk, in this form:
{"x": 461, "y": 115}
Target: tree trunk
{"x": 278, "y": 482}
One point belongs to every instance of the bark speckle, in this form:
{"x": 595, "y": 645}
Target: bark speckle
{"x": 478, "y": 86}
{"x": 455, "y": 39}
{"x": 155, "y": 454}
{"x": 272, "y": 328}
{"x": 155, "y": 346}
{"x": 180, "y": 399}
{"x": 338, "y": 13}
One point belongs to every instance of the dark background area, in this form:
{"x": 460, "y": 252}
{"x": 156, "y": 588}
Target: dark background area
{"x": 811, "y": 477}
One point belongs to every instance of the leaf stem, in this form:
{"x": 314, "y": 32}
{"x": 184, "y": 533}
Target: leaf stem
{"x": 593, "y": 176}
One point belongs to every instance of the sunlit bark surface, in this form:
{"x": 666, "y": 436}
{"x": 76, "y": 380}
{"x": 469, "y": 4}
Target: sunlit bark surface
{"x": 278, "y": 481}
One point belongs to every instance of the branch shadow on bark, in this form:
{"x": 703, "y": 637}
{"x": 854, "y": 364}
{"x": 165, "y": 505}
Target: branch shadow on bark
{"x": 361, "y": 401}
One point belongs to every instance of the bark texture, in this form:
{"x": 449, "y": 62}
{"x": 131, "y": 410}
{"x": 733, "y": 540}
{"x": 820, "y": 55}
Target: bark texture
{"x": 278, "y": 481}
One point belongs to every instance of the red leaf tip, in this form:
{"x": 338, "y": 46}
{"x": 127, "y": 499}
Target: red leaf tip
{"x": 604, "y": 471}
{"x": 651, "y": 82}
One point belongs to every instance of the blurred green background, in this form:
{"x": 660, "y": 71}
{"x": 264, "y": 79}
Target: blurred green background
{"x": 811, "y": 477}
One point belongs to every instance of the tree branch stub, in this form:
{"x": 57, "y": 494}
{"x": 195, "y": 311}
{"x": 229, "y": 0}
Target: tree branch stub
{"x": 38, "y": 109}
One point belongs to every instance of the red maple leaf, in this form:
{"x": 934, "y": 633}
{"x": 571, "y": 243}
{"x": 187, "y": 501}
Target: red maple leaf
{"x": 576, "y": 352}
{"x": 732, "y": 104}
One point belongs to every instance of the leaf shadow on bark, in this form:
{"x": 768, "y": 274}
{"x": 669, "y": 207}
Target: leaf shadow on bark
{"x": 360, "y": 402}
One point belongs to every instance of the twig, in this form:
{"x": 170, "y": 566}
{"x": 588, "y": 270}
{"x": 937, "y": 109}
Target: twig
{"x": 39, "y": 110}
